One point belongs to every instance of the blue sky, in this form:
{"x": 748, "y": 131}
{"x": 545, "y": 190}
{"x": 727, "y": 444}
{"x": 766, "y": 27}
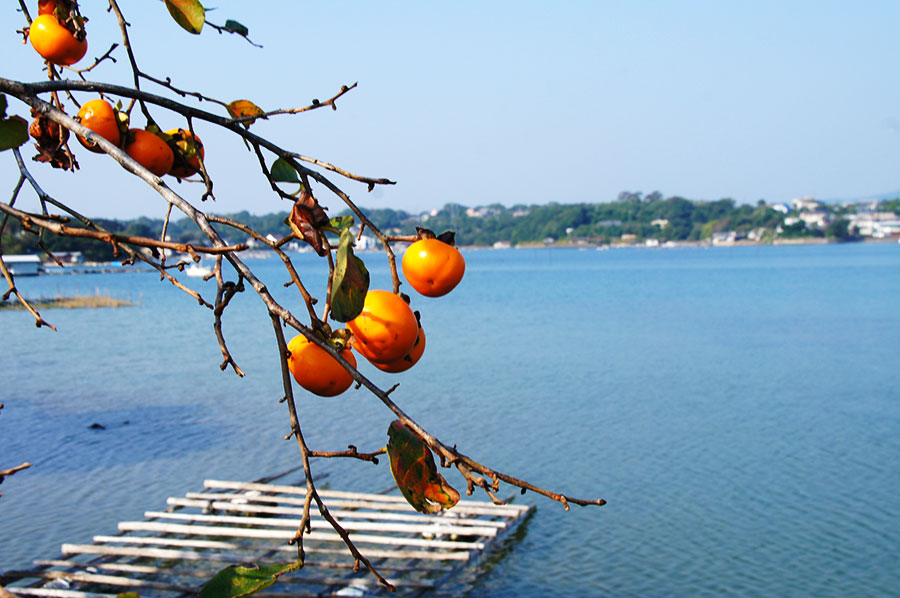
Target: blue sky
{"x": 521, "y": 102}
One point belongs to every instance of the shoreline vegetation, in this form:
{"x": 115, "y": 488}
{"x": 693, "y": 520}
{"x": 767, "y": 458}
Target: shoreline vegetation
{"x": 69, "y": 302}
{"x": 634, "y": 219}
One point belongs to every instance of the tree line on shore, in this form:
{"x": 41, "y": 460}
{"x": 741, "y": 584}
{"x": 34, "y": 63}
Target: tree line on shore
{"x": 633, "y": 217}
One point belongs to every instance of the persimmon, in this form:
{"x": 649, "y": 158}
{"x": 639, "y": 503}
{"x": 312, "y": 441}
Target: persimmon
{"x": 150, "y": 151}
{"x": 54, "y": 42}
{"x": 100, "y": 117}
{"x": 316, "y": 370}
{"x": 433, "y": 267}
{"x": 188, "y": 155}
{"x": 408, "y": 360}
{"x": 386, "y": 329}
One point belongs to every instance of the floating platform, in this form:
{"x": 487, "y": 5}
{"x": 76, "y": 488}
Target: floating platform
{"x": 174, "y": 551}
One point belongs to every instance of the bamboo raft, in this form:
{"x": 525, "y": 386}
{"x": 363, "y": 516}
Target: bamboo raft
{"x": 175, "y": 551}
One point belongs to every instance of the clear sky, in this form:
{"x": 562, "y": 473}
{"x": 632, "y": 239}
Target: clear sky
{"x": 519, "y": 102}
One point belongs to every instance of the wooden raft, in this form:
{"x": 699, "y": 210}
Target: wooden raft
{"x": 174, "y": 552}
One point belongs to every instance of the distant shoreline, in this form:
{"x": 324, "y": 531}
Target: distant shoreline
{"x": 682, "y": 244}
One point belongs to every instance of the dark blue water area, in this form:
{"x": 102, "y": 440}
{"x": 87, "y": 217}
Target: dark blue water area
{"x": 737, "y": 407}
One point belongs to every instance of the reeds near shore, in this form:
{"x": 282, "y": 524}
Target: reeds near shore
{"x": 69, "y": 302}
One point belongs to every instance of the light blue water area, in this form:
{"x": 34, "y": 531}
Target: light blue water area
{"x": 737, "y": 407}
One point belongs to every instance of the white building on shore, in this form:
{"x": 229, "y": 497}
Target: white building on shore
{"x": 22, "y": 265}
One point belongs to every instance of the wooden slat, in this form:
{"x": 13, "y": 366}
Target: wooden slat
{"x": 57, "y": 593}
{"x": 384, "y": 498}
{"x": 128, "y": 582}
{"x": 276, "y": 534}
{"x": 152, "y": 569}
{"x": 165, "y": 541}
{"x": 191, "y": 555}
{"x": 438, "y": 526}
{"x": 462, "y": 508}
{"x": 247, "y": 507}
{"x": 108, "y": 580}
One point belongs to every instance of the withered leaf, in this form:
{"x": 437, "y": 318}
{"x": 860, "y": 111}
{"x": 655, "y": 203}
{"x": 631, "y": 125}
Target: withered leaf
{"x": 415, "y": 473}
{"x": 50, "y": 142}
{"x": 241, "y": 108}
{"x": 306, "y": 216}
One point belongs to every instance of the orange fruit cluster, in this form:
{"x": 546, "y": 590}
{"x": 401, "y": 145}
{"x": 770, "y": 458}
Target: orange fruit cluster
{"x": 387, "y": 332}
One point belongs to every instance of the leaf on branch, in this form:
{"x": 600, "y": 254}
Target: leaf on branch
{"x": 306, "y": 218}
{"x": 236, "y": 581}
{"x": 129, "y": 595}
{"x": 235, "y": 27}
{"x": 13, "y": 132}
{"x": 3, "y": 105}
{"x": 190, "y": 14}
{"x": 351, "y": 281}
{"x": 341, "y": 223}
{"x": 242, "y": 108}
{"x": 415, "y": 473}
{"x": 283, "y": 172}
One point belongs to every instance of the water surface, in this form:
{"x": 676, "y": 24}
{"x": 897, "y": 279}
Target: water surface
{"x": 737, "y": 407}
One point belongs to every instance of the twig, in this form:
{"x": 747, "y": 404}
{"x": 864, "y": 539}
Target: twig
{"x": 351, "y": 452}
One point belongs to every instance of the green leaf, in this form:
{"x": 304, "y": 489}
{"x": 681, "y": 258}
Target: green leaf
{"x": 283, "y": 172}
{"x": 341, "y": 223}
{"x": 415, "y": 473}
{"x": 129, "y": 595}
{"x": 13, "y": 132}
{"x": 236, "y": 27}
{"x": 190, "y": 14}
{"x": 350, "y": 283}
{"x": 235, "y": 581}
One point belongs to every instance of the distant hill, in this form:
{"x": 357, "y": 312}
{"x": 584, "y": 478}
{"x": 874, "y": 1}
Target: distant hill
{"x": 633, "y": 217}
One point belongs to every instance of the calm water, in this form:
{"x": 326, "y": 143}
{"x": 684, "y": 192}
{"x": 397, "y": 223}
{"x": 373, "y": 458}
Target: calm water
{"x": 739, "y": 408}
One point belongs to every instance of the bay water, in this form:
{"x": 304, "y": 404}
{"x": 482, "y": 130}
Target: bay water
{"x": 738, "y": 408}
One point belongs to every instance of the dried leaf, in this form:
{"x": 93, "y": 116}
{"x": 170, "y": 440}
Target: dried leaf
{"x": 242, "y": 108}
{"x": 236, "y": 581}
{"x": 13, "y": 132}
{"x": 50, "y": 142}
{"x": 415, "y": 473}
{"x": 306, "y": 218}
{"x": 350, "y": 283}
{"x": 190, "y": 14}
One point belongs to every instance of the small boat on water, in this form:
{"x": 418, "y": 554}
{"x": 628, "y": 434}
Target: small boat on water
{"x": 196, "y": 270}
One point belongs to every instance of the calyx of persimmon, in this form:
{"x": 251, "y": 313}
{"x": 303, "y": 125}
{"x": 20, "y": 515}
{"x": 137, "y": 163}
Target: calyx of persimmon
{"x": 448, "y": 236}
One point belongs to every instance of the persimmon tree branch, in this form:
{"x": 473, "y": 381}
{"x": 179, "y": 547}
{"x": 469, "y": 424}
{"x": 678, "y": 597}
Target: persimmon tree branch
{"x": 310, "y": 173}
